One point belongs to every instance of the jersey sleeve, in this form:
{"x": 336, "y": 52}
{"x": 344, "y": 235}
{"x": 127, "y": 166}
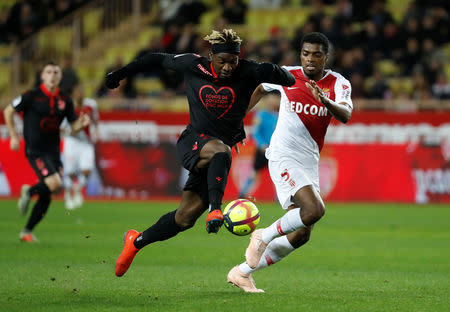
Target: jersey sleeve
{"x": 179, "y": 62}
{"x": 269, "y": 87}
{"x": 343, "y": 91}
{"x": 271, "y": 73}
{"x": 21, "y": 102}
{"x": 70, "y": 111}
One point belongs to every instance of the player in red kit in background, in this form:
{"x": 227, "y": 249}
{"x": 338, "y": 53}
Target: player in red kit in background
{"x": 218, "y": 91}
{"x": 306, "y": 109}
{"x": 44, "y": 108}
{"x": 79, "y": 151}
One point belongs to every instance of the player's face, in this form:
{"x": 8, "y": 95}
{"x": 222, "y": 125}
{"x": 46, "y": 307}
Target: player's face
{"x": 313, "y": 59}
{"x": 224, "y": 64}
{"x": 51, "y": 76}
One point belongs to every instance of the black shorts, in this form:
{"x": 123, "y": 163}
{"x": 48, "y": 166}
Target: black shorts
{"x": 260, "y": 160}
{"x": 189, "y": 146}
{"x": 45, "y": 164}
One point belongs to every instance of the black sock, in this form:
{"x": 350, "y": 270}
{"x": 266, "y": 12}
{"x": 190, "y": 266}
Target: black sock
{"x": 218, "y": 169}
{"x": 163, "y": 229}
{"x": 39, "y": 211}
{"x": 39, "y": 189}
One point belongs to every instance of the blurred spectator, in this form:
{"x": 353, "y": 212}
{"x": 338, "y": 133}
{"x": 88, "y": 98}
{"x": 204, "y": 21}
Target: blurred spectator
{"x": 358, "y": 88}
{"x": 379, "y": 89}
{"x": 185, "y": 41}
{"x": 4, "y": 33}
{"x": 421, "y": 87}
{"x": 69, "y": 78}
{"x": 234, "y": 11}
{"x": 441, "y": 88}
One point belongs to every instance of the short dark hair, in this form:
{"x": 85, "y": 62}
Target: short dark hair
{"x": 316, "y": 37}
{"x": 47, "y": 63}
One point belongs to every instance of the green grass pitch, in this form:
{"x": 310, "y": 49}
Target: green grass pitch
{"x": 361, "y": 257}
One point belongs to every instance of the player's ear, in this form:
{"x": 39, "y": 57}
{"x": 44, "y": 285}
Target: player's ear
{"x": 210, "y": 55}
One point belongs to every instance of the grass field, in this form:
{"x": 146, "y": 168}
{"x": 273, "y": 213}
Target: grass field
{"x": 361, "y": 257}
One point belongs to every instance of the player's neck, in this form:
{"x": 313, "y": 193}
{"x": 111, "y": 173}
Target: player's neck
{"x": 316, "y": 77}
{"x": 51, "y": 89}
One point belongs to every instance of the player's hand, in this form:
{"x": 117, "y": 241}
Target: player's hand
{"x": 113, "y": 79}
{"x": 315, "y": 90}
{"x": 214, "y": 221}
{"x": 14, "y": 143}
{"x": 85, "y": 120}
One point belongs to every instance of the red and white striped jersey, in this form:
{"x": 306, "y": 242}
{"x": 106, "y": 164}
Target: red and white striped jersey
{"x": 303, "y": 121}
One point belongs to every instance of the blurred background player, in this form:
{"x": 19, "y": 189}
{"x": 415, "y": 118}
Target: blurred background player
{"x": 264, "y": 124}
{"x": 305, "y": 113}
{"x": 44, "y": 108}
{"x": 219, "y": 89}
{"x": 79, "y": 150}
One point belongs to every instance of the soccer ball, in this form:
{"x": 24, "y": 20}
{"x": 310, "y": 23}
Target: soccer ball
{"x": 241, "y": 217}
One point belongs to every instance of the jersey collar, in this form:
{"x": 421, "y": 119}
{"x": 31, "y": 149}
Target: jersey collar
{"x": 47, "y": 92}
{"x": 212, "y": 71}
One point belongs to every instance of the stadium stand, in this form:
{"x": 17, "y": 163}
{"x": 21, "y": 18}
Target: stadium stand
{"x": 392, "y": 49}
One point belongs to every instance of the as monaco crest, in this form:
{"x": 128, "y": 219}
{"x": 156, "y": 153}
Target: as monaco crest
{"x": 326, "y": 91}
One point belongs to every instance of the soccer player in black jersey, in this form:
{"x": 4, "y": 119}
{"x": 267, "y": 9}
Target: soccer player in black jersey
{"x": 44, "y": 108}
{"x": 218, "y": 91}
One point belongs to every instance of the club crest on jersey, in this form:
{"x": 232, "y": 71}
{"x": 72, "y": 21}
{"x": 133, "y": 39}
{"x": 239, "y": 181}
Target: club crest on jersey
{"x": 61, "y": 104}
{"x": 326, "y": 91}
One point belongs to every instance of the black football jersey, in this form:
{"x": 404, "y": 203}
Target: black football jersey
{"x": 216, "y": 106}
{"x": 43, "y": 113}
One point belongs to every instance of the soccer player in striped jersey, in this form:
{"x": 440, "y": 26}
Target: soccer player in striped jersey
{"x": 306, "y": 109}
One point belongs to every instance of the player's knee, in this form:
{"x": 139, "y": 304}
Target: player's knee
{"x": 313, "y": 212}
{"x": 54, "y": 183}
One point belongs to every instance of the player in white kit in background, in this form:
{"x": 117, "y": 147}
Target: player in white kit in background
{"x": 306, "y": 109}
{"x": 79, "y": 151}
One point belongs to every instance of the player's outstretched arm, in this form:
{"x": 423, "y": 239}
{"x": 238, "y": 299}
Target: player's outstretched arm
{"x": 256, "y": 97}
{"x": 14, "y": 142}
{"x": 342, "y": 111}
{"x": 82, "y": 122}
{"x": 142, "y": 64}
{"x": 272, "y": 73}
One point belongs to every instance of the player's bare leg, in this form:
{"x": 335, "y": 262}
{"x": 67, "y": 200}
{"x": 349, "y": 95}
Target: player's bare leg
{"x": 190, "y": 209}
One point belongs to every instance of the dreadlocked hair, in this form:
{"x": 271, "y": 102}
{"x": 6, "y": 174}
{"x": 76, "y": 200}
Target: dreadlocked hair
{"x": 224, "y": 36}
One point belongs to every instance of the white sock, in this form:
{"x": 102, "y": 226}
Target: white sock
{"x": 81, "y": 182}
{"x": 288, "y": 223}
{"x": 68, "y": 183}
{"x": 275, "y": 251}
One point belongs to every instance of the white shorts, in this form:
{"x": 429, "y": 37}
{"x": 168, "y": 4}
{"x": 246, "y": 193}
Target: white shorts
{"x": 78, "y": 155}
{"x": 288, "y": 176}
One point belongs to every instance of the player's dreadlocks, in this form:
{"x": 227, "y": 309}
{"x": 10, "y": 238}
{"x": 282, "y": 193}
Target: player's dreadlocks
{"x": 224, "y": 36}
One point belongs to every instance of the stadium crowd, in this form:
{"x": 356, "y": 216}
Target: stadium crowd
{"x": 384, "y": 58}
